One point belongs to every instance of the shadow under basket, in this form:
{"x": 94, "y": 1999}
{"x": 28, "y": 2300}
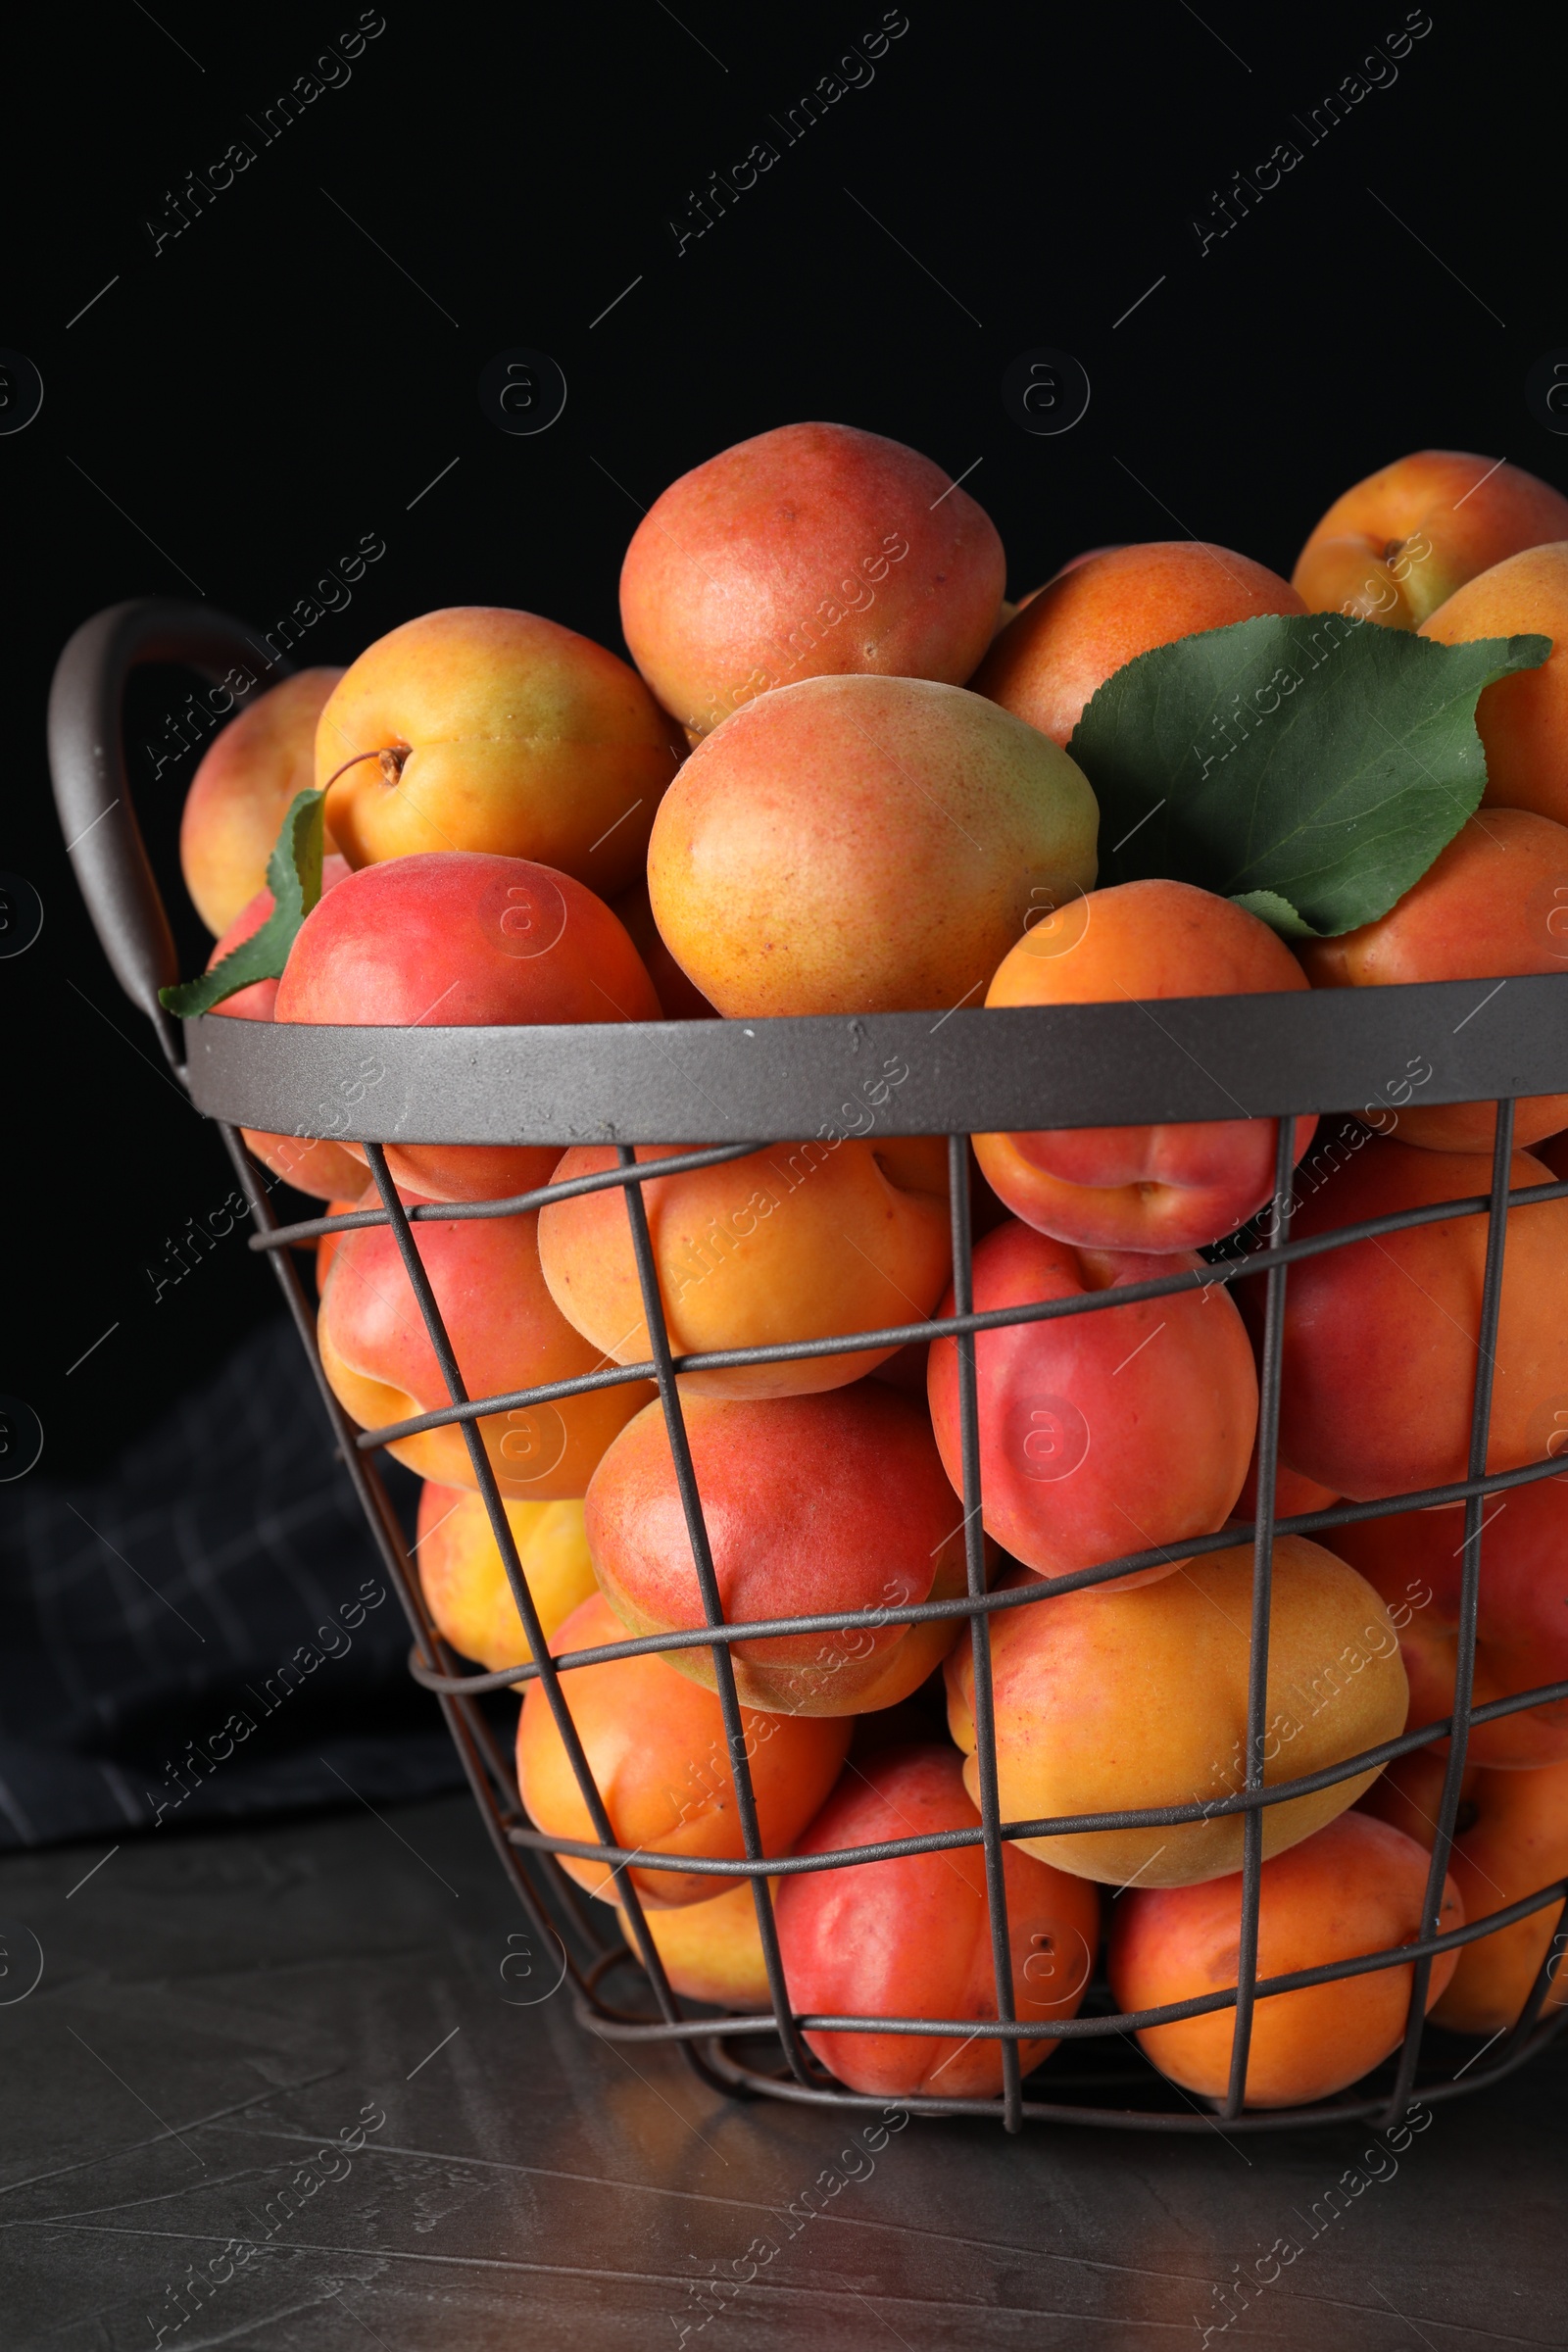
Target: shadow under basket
{"x": 734, "y": 1087}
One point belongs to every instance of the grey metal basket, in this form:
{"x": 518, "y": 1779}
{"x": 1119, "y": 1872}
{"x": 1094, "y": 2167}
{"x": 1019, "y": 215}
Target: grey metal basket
{"x": 734, "y": 1086}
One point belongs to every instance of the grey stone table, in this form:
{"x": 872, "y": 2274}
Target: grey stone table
{"x": 286, "y": 2061}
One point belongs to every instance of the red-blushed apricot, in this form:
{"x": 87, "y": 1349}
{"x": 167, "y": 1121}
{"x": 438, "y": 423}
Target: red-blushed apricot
{"x": 712, "y": 1951}
{"x": 465, "y": 1583}
{"x": 311, "y": 1164}
{"x": 1106, "y": 1432}
{"x": 654, "y": 1745}
{"x": 1357, "y": 1886}
{"x": 1522, "y": 719}
{"x": 863, "y": 844}
{"x": 680, "y": 1000}
{"x": 811, "y": 550}
{"x": 1107, "y": 608}
{"x": 910, "y": 1937}
{"x": 507, "y": 1333}
{"x": 797, "y": 1242}
{"x": 1294, "y": 1494}
{"x": 1141, "y": 1188}
{"x": 1493, "y": 903}
{"x": 327, "y": 1246}
{"x": 479, "y": 728}
{"x": 452, "y": 940}
{"x": 1416, "y": 1559}
{"x": 1107, "y": 1701}
{"x": 1512, "y": 1838}
{"x": 1397, "y": 545}
{"x": 240, "y": 794}
{"x": 813, "y": 1504}
{"x": 1379, "y": 1336}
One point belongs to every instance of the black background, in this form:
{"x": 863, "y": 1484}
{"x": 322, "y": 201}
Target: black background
{"x": 239, "y": 406}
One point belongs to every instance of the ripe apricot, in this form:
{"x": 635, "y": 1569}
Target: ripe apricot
{"x": 455, "y": 939}
{"x": 813, "y": 1504}
{"x": 1109, "y": 606}
{"x": 465, "y": 1583}
{"x": 1110, "y": 1702}
{"x": 1493, "y": 903}
{"x": 1357, "y": 1886}
{"x": 1397, "y": 545}
{"x": 1157, "y": 1189}
{"x": 1512, "y": 1838}
{"x": 484, "y": 729}
{"x": 811, "y": 550}
{"x": 654, "y": 1745}
{"x": 796, "y": 1241}
{"x": 1416, "y": 1558}
{"x": 1379, "y": 1336}
{"x": 507, "y": 1333}
{"x": 1100, "y": 1433}
{"x": 863, "y": 844}
{"x": 912, "y": 1935}
{"x": 240, "y": 794}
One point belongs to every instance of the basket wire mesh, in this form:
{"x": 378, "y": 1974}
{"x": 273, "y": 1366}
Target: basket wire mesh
{"x": 528, "y": 1854}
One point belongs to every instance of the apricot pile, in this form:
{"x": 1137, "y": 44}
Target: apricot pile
{"x": 837, "y": 777}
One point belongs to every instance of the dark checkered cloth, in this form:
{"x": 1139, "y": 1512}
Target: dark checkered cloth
{"x": 199, "y": 1629}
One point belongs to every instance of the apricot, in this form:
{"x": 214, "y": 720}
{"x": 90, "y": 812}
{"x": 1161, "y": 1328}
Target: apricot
{"x": 1141, "y": 1188}
{"x": 312, "y": 1165}
{"x": 1101, "y": 1433}
{"x": 1379, "y": 1336}
{"x": 327, "y": 1246}
{"x": 1397, "y": 545}
{"x": 1485, "y": 908}
{"x": 811, "y": 550}
{"x": 240, "y": 794}
{"x": 1357, "y": 1885}
{"x": 1111, "y": 1701}
{"x": 812, "y": 1505}
{"x": 712, "y": 1951}
{"x": 679, "y": 1000}
{"x": 1294, "y": 1494}
{"x": 465, "y": 1583}
{"x": 910, "y": 1937}
{"x": 452, "y": 940}
{"x": 1512, "y": 1838}
{"x": 507, "y": 1333}
{"x": 655, "y": 1746}
{"x": 863, "y": 844}
{"x": 1522, "y": 719}
{"x": 1416, "y": 1559}
{"x": 796, "y": 1241}
{"x": 479, "y": 728}
{"x": 1104, "y": 609}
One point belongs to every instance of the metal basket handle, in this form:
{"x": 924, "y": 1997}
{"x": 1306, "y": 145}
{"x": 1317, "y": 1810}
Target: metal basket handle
{"x": 93, "y": 779}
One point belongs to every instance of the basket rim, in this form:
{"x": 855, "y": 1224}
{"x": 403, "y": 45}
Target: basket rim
{"x": 963, "y": 1071}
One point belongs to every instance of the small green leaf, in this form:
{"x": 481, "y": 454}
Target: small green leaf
{"x": 1310, "y": 767}
{"x": 294, "y": 878}
{"x": 1278, "y": 912}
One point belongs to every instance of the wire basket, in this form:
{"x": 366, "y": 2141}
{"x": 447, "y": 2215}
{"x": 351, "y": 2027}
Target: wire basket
{"x": 734, "y": 1087}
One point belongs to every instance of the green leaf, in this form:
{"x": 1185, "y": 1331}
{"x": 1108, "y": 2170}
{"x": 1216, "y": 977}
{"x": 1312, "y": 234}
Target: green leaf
{"x": 1311, "y": 767}
{"x": 294, "y": 878}
{"x": 1271, "y": 908}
